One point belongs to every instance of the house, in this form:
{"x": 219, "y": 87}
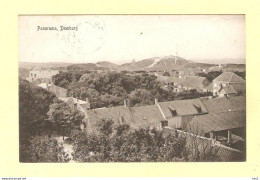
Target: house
{"x": 225, "y": 121}
{"x": 193, "y": 82}
{"x": 224, "y": 104}
{"x": 228, "y": 84}
{"x": 225, "y": 127}
{"x": 221, "y": 118}
{"x": 179, "y": 113}
{"x": 42, "y": 75}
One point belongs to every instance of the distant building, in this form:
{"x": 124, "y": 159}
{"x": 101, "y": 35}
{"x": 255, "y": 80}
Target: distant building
{"x": 228, "y": 84}
{"x": 43, "y": 75}
{"x": 76, "y": 103}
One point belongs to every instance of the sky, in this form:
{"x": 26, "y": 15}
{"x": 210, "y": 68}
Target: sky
{"x": 122, "y": 38}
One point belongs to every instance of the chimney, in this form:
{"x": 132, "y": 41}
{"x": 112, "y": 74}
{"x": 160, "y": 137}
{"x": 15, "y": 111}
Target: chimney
{"x": 156, "y": 102}
{"x": 127, "y": 103}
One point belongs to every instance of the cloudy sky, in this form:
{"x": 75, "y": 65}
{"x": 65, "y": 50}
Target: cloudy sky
{"x": 122, "y": 38}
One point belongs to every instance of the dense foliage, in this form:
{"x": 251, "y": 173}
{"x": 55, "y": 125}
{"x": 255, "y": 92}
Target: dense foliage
{"x": 34, "y": 104}
{"x": 62, "y": 114}
{"x": 42, "y": 149}
{"x": 108, "y": 89}
{"x": 120, "y": 143}
{"x": 34, "y": 126}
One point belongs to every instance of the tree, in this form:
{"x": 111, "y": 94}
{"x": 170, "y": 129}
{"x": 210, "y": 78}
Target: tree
{"x": 34, "y": 104}
{"x": 42, "y": 149}
{"x": 61, "y": 113}
{"x": 120, "y": 143}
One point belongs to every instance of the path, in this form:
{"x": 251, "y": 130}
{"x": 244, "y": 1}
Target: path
{"x": 68, "y": 148}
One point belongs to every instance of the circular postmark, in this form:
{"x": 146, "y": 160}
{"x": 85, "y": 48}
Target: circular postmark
{"x": 86, "y": 38}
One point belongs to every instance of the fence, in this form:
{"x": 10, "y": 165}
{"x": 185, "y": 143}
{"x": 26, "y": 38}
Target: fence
{"x": 206, "y": 149}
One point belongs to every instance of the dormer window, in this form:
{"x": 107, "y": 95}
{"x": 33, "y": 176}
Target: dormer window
{"x": 198, "y": 108}
{"x": 172, "y": 110}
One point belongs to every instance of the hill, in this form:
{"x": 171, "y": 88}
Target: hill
{"x": 32, "y": 65}
{"x": 86, "y": 67}
{"x": 166, "y": 63}
{"x": 107, "y": 64}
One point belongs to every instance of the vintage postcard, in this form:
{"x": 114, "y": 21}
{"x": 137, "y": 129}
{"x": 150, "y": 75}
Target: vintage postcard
{"x": 132, "y": 88}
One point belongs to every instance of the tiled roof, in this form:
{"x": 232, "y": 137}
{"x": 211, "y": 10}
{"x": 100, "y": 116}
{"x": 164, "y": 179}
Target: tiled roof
{"x": 145, "y": 116}
{"x": 183, "y": 107}
{"x": 117, "y": 114}
{"x": 222, "y": 104}
{"x": 217, "y": 122}
{"x": 209, "y": 87}
{"x": 239, "y": 87}
{"x": 229, "y": 77}
{"x": 229, "y": 90}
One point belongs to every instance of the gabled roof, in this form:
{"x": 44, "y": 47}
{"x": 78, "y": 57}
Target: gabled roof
{"x": 223, "y": 104}
{"x": 209, "y": 87}
{"x": 239, "y": 87}
{"x": 217, "y": 122}
{"x": 228, "y": 90}
{"x": 182, "y": 107}
{"x": 229, "y": 77}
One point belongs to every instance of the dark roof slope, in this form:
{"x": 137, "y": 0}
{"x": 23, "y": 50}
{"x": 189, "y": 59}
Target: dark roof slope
{"x": 182, "y": 107}
{"x": 217, "y": 122}
{"x": 223, "y": 104}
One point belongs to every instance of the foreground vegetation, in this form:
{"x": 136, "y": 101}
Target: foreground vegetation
{"x": 41, "y": 114}
{"x": 120, "y": 143}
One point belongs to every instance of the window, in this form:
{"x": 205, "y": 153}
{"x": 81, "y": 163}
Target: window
{"x": 198, "y": 108}
{"x": 172, "y": 110}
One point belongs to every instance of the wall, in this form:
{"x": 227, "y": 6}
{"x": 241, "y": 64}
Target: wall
{"x": 202, "y": 146}
{"x": 58, "y": 91}
{"x": 175, "y": 122}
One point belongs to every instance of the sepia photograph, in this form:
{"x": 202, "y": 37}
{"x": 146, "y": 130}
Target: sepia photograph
{"x": 132, "y": 88}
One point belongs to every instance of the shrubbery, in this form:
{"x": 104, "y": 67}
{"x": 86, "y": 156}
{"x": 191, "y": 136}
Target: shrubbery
{"x": 119, "y": 143}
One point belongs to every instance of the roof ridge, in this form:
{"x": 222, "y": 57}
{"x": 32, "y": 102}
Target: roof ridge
{"x": 232, "y": 74}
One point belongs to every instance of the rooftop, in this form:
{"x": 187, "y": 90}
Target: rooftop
{"x": 217, "y": 122}
{"x": 229, "y": 77}
{"x": 182, "y": 107}
{"x": 223, "y": 104}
